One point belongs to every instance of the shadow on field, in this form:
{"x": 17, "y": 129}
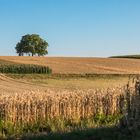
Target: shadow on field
{"x": 110, "y": 133}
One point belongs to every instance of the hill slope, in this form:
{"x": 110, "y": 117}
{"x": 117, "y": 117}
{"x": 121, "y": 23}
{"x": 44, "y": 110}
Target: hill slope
{"x": 77, "y": 65}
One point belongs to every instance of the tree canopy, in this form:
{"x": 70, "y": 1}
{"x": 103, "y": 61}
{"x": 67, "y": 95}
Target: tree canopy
{"x": 32, "y": 44}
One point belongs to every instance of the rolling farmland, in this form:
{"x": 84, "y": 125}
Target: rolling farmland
{"x": 68, "y": 66}
{"x": 48, "y": 103}
{"x": 81, "y": 65}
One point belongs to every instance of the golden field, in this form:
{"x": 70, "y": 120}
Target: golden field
{"x": 81, "y": 65}
{"x": 34, "y": 103}
{"x": 73, "y": 105}
{"x": 12, "y": 83}
{"x": 67, "y": 65}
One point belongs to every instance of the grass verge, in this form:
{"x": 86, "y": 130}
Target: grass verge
{"x": 52, "y": 127}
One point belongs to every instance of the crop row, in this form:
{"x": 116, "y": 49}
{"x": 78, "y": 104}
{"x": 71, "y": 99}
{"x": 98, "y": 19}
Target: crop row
{"x": 25, "y": 69}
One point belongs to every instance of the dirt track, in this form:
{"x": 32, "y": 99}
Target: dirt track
{"x": 11, "y": 85}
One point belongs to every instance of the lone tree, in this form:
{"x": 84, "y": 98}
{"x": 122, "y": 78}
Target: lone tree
{"x": 32, "y": 44}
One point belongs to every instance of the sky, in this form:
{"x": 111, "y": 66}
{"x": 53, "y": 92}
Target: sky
{"x": 87, "y": 28}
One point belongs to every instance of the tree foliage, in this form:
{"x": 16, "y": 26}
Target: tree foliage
{"x": 32, "y": 44}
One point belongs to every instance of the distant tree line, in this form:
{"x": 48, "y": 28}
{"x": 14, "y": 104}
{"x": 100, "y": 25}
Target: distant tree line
{"x": 32, "y": 45}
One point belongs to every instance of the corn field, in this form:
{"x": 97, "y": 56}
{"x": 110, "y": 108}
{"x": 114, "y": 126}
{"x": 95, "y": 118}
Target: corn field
{"x": 25, "y": 69}
{"x": 71, "y": 105}
{"x": 34, "y": 107}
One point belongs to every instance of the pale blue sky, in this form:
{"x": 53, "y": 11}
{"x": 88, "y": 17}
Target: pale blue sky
{"x": 73, "y": 27}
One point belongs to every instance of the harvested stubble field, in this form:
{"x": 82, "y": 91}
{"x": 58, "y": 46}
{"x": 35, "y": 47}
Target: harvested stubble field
{"x": 27, "y": 82}
{"x": 81, "y": 65}
{"x": 72, "y": 68}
